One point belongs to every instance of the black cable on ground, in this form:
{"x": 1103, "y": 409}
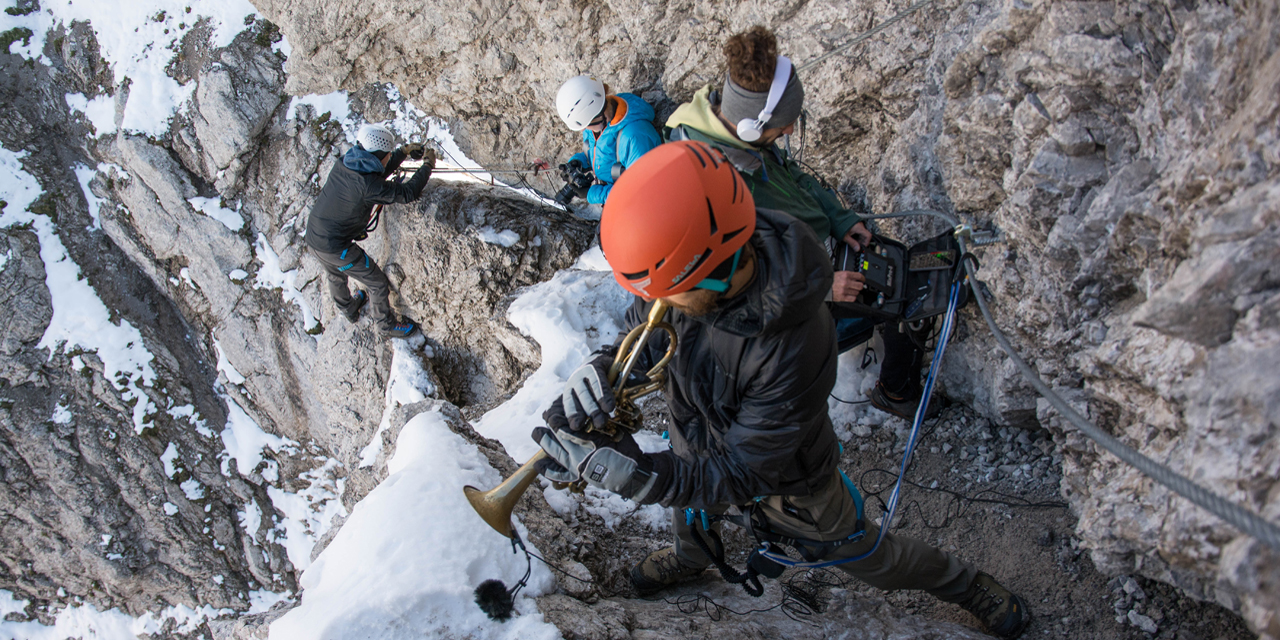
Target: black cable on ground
{"x": 801, "y": 597}
{"x": 960, "y": 501}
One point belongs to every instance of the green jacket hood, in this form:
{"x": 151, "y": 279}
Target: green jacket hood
{"x": 697, "y": 114}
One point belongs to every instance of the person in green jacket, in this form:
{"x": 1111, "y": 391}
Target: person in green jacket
{"x": 741, "y": 120}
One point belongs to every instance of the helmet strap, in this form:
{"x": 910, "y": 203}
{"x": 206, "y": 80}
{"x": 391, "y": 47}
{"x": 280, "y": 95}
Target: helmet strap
{"x": 721, "y": 286}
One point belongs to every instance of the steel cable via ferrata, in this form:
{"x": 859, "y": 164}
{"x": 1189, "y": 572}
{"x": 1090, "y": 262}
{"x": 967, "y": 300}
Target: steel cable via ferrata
{"x": 874, "y": 30}
{"x": 1243, "y": 519}
{"x": 1237, "y": 516}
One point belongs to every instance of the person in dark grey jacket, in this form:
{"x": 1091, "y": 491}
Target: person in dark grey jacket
{"x": 341, "y": 216}
{"x": 751, "y": 440}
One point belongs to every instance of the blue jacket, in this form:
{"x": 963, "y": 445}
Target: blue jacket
{"x": 624, "y": 141}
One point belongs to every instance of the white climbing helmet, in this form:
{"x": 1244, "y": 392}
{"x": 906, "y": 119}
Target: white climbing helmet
{"x": 375, "y": 137}
{"x": 579, "y": 101}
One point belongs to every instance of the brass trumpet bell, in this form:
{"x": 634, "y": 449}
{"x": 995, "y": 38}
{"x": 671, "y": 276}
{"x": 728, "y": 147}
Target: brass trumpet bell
{"x": 495, "y": 505}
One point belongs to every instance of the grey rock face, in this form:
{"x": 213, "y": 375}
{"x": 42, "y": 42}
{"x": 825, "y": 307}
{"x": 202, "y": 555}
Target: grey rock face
{"x": 1127, "y": 151}
{"x": 90, "y": 509}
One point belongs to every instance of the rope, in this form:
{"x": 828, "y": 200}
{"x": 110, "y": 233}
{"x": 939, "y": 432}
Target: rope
{"x": 877, "y": 29}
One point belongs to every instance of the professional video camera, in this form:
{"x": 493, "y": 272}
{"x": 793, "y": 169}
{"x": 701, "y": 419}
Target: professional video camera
{"x": 576, "y": 177}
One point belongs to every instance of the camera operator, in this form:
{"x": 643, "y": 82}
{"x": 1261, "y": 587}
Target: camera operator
{"x": 342, "y": 214}
{"x": 616, "y": 130}
{"x": 743, "y": 121}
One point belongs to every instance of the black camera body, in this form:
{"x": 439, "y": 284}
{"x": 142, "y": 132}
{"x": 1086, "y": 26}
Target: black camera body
{"x": 576, "y": 177}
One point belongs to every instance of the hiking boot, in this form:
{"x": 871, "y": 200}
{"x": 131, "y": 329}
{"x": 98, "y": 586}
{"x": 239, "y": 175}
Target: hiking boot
{"x": 1001, "y": 611}
{"x": 357, "y": 303}
{"x": 402, "y": 329}
{"x": 904, "y": 408}
{"x": 660, "y": 570}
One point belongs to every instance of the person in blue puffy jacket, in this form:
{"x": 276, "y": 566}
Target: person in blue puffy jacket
{"x": 616, "y": 130}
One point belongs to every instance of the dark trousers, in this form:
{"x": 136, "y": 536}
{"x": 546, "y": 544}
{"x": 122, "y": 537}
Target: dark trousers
{"x": 902, "y": 359}
{"x": 353, "y": 262}
{"x": 831, "y": 514}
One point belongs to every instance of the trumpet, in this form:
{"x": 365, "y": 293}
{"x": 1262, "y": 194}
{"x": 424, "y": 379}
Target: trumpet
{"x": 495, "y": 505}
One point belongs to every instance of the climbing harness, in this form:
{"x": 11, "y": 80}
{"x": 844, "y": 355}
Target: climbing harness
{"x": 749, "y": 580}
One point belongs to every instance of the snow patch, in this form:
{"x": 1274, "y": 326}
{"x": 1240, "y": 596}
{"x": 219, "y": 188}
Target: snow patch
{"x": 408, "y": 383}
{"x": 271, "y": 277}
{"x": 225, "y": 366}
{"x": 506, "y": 238}
{"x": 170, "y": 454}
{"x": 61, "y": 415}
{"x": 569, "y": 316}
{"x": 250, "y": 519}
{"x": 244, "y": 440}
{"x": 193, "y": 489}
{"x": 213, "y": 208}
{"x": 138, "y": 39}
{"x": 336, "y": 104}
{"x": 308, "y": 513}
{"x": 369, "y": 582}
{"x": 100, "y": 111}
{"x": 80, "y": 319}
{"x": 85, "y": 175}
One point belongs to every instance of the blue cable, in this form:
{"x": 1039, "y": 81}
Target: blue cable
{"x": 892, "y": 505}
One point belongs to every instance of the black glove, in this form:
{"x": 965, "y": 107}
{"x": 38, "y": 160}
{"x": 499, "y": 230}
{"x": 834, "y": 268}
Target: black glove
{"x": 414, "y": 150}
{"x": 579, "y": 191}
{"x": 619, "y": 467}
{"x": 588, "y": 399}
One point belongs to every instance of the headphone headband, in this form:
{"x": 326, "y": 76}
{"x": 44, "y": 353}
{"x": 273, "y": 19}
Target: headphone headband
{"x": 749, "y": 130}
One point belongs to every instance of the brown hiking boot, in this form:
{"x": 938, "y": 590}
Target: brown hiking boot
{"x": 660, "y": 570}
{"x": 904, "y": 408}
{"x": 1001, "y": 611}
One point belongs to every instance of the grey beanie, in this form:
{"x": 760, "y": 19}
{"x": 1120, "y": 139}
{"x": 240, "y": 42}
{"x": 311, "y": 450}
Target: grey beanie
{"x": 738, "y": 104}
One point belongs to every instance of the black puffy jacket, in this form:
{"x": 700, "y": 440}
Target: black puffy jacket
{"x": 346, "y": 201}
{"x": 748, "y": 386}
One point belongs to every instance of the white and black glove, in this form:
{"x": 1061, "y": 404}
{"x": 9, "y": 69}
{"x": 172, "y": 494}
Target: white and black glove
{"x": 619, "y": 467}
{"x": 588, "y": 399}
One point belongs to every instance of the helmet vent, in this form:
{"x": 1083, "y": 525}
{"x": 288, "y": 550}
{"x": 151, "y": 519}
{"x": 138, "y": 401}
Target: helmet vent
{"x": 729, "y": 235}
{"x": 636, "y": 276}
{"x": 698, "y": 155}
{"x": 711, "y": 215}
{"x": 660, "y": 263}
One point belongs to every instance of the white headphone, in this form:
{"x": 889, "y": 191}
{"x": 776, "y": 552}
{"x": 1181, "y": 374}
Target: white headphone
{"x": 750, "y": 130}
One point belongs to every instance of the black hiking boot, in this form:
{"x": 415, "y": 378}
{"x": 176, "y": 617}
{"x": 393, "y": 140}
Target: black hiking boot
{"x": 1001, "y": 611}
{"x": 904, "y": 408}
{"x": 402, "y": 329}
{"x": 357, "y": 303}
{"x": 660, "y": 570}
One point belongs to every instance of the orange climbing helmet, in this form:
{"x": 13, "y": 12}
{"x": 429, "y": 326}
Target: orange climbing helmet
{"x": 673, "y": 217}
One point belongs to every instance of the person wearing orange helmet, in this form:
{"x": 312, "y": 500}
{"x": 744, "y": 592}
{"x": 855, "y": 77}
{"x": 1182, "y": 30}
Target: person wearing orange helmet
{"x": 751, "y": 441}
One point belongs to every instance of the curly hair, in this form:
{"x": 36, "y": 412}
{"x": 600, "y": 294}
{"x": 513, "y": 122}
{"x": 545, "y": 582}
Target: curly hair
{"x": 752, "y": 56}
